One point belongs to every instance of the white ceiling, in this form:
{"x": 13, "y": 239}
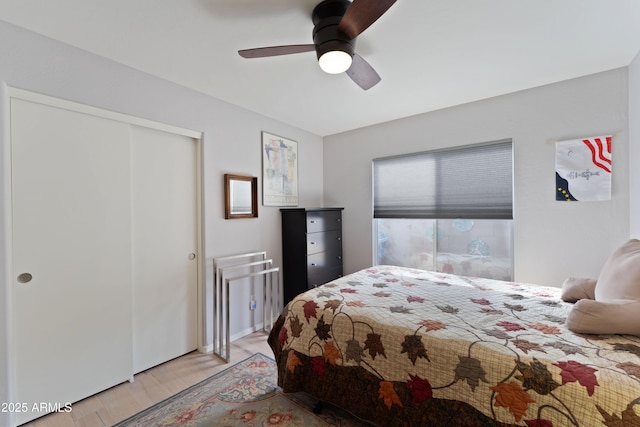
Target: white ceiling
{"x": 431, "y": 54}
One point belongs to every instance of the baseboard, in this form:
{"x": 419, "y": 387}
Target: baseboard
{"x": 246, "y": 332}
{"x": 209, "y": 348}
{"x": 206, "y": 349}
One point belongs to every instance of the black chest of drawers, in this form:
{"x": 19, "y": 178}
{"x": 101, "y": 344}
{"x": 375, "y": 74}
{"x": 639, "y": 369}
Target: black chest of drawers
{"x": 311, "y": 248}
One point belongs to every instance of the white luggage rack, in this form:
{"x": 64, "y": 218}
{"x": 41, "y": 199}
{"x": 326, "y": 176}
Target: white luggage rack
{"x": 233, "y": 268}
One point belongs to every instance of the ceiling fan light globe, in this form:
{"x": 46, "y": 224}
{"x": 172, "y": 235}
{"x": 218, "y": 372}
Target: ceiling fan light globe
{"x": 335, "y": 61}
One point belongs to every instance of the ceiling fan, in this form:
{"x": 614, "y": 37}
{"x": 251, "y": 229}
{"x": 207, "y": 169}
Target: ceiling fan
{"x": 337, "y": 23}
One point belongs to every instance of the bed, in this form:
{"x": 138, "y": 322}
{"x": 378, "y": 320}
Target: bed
{"x": 402, "y": 346}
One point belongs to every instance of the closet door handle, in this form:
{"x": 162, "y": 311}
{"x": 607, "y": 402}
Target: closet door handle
{"x": 24, "y": 278}
{"x": 192, "y": 256}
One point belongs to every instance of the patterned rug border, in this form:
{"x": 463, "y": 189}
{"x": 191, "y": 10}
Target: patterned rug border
{"x": 186, "y": 390}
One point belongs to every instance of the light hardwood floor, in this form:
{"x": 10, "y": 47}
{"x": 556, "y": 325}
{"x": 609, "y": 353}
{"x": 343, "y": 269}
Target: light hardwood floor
{"x": 151, "y": 386}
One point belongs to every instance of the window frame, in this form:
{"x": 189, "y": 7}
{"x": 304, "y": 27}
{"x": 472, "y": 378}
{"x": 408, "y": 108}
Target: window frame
{"x": 509, "y": 221}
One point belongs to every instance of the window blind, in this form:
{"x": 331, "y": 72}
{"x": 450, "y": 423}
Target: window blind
{"x": 472, "y": 182}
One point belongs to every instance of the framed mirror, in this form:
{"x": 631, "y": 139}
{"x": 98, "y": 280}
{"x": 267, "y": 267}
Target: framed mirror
{"x": 240, "y": 196}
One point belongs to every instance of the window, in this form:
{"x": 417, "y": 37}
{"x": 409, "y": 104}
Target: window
{"x": 447, "y": 210}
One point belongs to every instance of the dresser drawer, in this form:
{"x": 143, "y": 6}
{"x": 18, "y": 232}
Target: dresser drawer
{"x": 323, "y": 221}
{"x": 321, "y": 276}
{"x": 318, "y": 263}
{"x": 324, "y": 241}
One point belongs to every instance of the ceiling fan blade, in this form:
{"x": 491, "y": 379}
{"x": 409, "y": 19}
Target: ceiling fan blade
{"x": 262, "y": 52}
{"x": 362, "y": 73}
{"x": 361, "y": 14}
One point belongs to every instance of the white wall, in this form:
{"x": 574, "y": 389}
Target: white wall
{"x": 231, "y": 145}
{"x": 5, "y": 351}
{"x": 634, "y": 148}
{"x": 553, "y": 240}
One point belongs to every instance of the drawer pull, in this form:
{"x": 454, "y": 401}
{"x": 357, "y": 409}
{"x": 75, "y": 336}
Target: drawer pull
{"x": 313, "y": 221}
{"x": 313, "y": 264}
{"x": 339, "y": 257}
{"x": 312, "y": 243}
{"x": 338, "y": 238}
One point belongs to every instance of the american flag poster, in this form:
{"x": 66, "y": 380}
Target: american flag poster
{"x": 583, "y": 169}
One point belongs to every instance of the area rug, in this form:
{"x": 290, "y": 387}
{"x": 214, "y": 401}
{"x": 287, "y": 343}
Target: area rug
{"x": 245, "y": 394}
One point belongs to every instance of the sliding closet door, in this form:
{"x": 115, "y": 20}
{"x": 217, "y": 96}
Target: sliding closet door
{"x": 72, "y": 306}
{"x": 105, "y": 249}
{"x": 165, "y": 246}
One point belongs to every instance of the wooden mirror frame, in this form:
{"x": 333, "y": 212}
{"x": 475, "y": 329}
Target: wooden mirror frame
{"x": 228, "y": 207}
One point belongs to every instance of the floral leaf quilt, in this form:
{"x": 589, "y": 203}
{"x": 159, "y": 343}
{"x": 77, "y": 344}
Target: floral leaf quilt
{"x": 400, "y": 346}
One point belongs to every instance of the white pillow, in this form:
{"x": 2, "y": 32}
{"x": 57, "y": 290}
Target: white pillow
{"x": 620, "y": 275}
{"x": 577, "y": 288}
{"x": 611, "y": 317}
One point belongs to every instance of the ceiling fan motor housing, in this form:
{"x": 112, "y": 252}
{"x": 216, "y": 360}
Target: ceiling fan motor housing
{"x": 326, "y": 16}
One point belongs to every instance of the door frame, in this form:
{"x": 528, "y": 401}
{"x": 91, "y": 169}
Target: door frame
{"x": 7, "y": 93}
